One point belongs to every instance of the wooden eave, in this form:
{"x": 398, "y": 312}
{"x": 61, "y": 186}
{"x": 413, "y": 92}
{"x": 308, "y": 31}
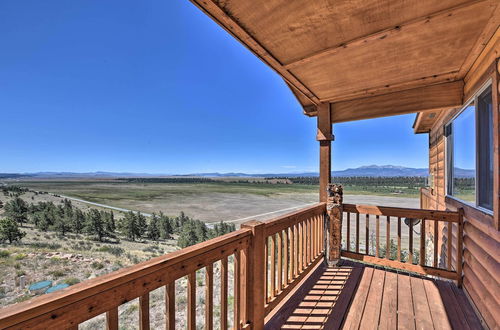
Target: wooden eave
{"x": 340, "y": 51}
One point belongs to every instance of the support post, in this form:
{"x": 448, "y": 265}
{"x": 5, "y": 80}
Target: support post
{"x": 254, "y": 279}
{"x": 334, "y": 224}
{"x": 325, "y": 138}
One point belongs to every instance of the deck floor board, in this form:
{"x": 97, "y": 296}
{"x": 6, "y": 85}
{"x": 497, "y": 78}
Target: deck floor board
{"x": 357, "y": 296}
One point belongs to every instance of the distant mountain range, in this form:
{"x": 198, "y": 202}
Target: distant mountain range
{"x": 371, "y": 171}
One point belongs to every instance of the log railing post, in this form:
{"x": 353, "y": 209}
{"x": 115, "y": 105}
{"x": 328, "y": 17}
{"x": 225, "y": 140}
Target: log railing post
{"x": 325, "y": 137}
{"x": 334, "y": 224}
{"x": 253, "y": 262}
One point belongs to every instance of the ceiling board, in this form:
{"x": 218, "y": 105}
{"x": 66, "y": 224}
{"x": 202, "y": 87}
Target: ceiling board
{"x": 437, "y": 46}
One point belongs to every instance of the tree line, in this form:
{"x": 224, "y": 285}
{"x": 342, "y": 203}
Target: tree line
{"x": 101, "y": 225}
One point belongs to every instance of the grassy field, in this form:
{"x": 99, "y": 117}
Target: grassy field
{"x": 215, "y": 201}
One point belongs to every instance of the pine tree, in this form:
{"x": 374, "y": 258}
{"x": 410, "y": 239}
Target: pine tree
{"x": 95, "y": 224}
{"x": 17, "y": 210}
{"x": 142, "y": 225}
{"x": 78, "y": 222}
{"x": 154, "y": 228}
{"x": 128, "y": 226}
{"x": 166, "y": 229}
{"x": 187, "y": 237}
{"x": 9, "y": 231}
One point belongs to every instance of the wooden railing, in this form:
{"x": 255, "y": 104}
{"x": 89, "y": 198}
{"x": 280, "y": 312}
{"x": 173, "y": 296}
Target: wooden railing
{"x": 293, "y": 246}
{"x": 70, "y": 307}
{"x": 275, "y": 255}
{"x": 362, "y": 238}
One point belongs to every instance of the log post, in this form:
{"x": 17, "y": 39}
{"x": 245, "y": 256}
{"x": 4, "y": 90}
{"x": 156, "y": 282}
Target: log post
{"x": 253, "y": 264}
{"x": 325, "y": 138}
{"x": 334, "y": 224}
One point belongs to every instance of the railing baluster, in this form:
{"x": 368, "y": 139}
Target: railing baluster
{"x": 435, "y": 244}
{"x": 236, "y": 278}
{"x": 267, "y": 297}
{"x": 191, "y": 305}
{"x": 388, "y": 238}
{"x": 300, "y": 238}
{"x": 410, "y": 242}
{"x": 307, "y": 241}
{"x": 279, "y": 286}
{"x": 399, "y": 239}
{"x": 285, "y": 256}
{"x": 377, "y": 235}
{"x": 293, "y": 256}
{"x": 348, "y": 238}
{"x": 367, "y": 234}
{"x": 223, "y": 294}
{"x": 422, "y": 242}
{"x": 314, "y": 240}
{"x": 449, "y": 237}
{"x": 170, "y": 306}
{"x": 112, "y": 319}
{"x": 272, "y": 247}
{"x": 209, "y": 296}
{"x": 144, "y": 312}
{"x": 357, "y": 232}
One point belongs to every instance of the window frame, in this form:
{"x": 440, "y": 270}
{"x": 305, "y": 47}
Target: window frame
{"x": 448, "y": 157}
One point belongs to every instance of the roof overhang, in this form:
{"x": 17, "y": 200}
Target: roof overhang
{"x": 341, "y": 51}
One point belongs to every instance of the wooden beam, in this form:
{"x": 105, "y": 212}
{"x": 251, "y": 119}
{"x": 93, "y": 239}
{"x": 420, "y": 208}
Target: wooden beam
{"x": 227, "y": 22}
{"x": 324, "y": 137}
{"x": 446, "y": 95}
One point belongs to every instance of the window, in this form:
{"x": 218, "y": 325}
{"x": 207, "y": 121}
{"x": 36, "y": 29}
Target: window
{"x": 469, "y": 160}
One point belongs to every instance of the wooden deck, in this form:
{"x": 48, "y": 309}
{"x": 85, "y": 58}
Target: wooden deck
{"x": 357, "y": 296}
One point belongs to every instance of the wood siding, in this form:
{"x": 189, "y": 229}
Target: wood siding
{"x": 481, "y": 267}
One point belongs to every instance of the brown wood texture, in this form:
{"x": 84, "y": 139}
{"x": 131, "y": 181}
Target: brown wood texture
{"x": 312, "y": 44}
{"x": 191, "y": 301}
{"x": 450, "y": 216}
{"x": 144, "y": 312}
{"x": 209, "y": 297}
{"x": 112, "y": 319}
{"x": 324, "y": 136}
{"x": 429, "y": 98}
{"x": 355, "y": 296}
{"x": 91, "y": 298}
{"x": 481, "y": 238}
{"x": 170, "y": 306}
{"x": 223, "y": 293}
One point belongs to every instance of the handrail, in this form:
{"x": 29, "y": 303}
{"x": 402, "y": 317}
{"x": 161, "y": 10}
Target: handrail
{"x": 78, "y": 303}
{"x": 391, "y": 214}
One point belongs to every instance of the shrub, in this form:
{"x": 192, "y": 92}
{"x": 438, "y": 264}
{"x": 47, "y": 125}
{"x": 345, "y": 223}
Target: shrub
{"x": 71, "y": 281}
{"x": 97, "y": 265}
{"x": 114, "y": 250}
{"x": 57, "y": 273}
{"x": 4, "y": 254}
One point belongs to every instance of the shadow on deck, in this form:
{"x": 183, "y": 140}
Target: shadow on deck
{"x": 358, "y": 296}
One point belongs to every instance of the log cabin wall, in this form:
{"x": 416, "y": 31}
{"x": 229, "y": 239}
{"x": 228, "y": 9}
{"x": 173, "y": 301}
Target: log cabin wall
{"x": 481, "y": 269}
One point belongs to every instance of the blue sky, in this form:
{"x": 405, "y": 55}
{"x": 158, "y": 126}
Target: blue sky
{"x": 156, "y": 86}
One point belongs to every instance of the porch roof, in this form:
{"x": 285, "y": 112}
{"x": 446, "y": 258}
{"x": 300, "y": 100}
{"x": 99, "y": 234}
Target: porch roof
{"x": 346, "y": 51}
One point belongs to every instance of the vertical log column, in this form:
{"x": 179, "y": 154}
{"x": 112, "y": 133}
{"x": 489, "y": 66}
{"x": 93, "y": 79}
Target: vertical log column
{"x": 325, "y": 137}
{"x": 334, "y": 227}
